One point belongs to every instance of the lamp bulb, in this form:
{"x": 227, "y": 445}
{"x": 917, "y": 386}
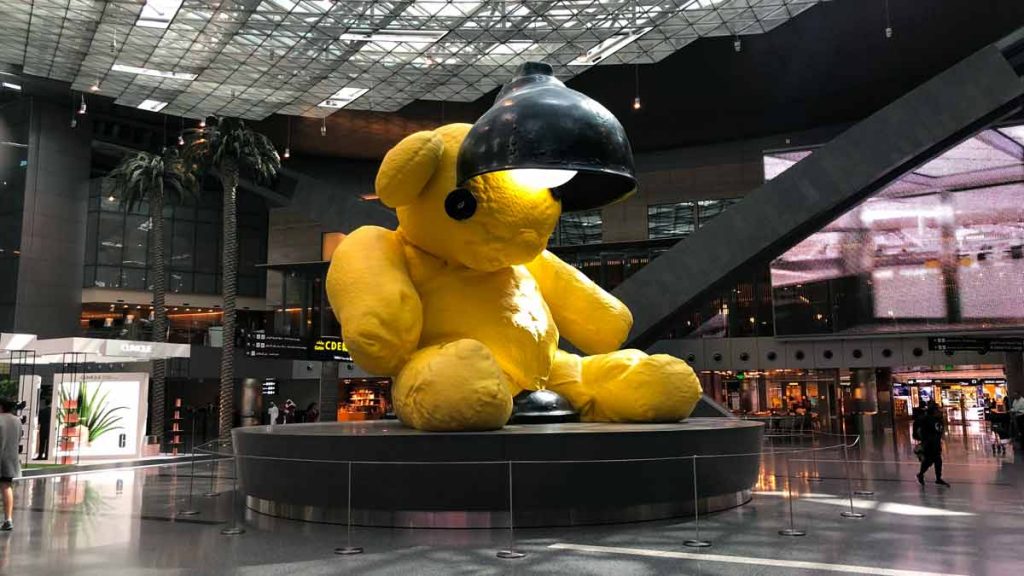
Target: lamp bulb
{"x": 74, "y": 122}
{"x": 636, "y": 103}
{"x": 323, "y": 130}
{"x": 287, "y": 153}
{"x": 737, "y": 45}
{"x": 181, "y": 140}
{"x": 888, "y": 31}
{"x": 202, "y": 123}
{"x": 536, "y": 178}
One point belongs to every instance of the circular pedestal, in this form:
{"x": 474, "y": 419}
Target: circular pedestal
{"x": 561, "y": 474}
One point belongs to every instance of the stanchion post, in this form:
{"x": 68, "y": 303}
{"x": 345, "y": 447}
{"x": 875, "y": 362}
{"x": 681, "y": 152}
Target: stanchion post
{"x": 189, "y": 510}
{"x": 851, "y": 513}
{"x": 814, "y": 476}
{"x": 234, "y": 529}
{"x": 510, "y": 553}
{"x": 348, "y": 549}
{"x": 791, "y": 531}
{"x": 212, "y": 492}
{"x": 696, "y": 541}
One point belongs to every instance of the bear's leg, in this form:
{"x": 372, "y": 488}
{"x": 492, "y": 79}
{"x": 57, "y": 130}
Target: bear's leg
{"x": 452, "y": 387}
{"x": 626, "y": 386}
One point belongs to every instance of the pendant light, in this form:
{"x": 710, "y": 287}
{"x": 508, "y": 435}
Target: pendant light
{"x": 323, "y": 125}
{"x": 554, "y": 137}
{"x": 288, "y": 141}
{"x": 82, "y": 108}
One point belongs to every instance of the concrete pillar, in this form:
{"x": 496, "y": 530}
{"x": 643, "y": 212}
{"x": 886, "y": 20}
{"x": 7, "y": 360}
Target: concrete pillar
{"x": 328, "y": 392}
{"x": 250, "y": 402}
{"x": 1013, "y": 367}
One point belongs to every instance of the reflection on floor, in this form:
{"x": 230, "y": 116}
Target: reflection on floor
{"x": 124, "y": 522}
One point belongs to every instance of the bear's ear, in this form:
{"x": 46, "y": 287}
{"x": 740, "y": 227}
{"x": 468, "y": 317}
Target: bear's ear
{"x": 407, "y": 167}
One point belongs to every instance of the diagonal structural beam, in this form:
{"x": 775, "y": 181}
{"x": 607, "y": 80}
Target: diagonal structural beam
{"x": 915, "y": 128}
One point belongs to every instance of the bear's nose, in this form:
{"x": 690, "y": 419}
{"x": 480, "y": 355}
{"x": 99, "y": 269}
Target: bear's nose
{"x": 460, "y": 204}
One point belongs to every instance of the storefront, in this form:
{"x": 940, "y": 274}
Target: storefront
{"x": 964, "y": 397}
{"x": 77, "y": 414}
{"x": 364, "y": 399}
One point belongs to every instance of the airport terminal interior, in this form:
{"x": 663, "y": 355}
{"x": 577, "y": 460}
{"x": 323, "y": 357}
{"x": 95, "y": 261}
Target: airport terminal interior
{"x": 402, "y": 287}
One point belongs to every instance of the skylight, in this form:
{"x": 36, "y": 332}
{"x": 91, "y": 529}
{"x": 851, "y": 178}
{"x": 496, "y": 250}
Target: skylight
{"x": 609, "y": 47}
{"x": 343, "y": 97}
{"x": 158, "y": 13}
{"x": 152, "y": 105}
{"x": 152, "y": 72}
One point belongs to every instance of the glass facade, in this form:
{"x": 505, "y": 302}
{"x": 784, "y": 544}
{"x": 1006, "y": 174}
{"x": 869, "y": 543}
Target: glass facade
{"x": 942, "y": 247}
{"x": 577, "y": 228}
{"x": 117, "y": 251}
{"x": 679, "y": 219}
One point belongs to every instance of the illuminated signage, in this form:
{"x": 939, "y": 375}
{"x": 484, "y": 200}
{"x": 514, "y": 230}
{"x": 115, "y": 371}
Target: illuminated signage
{"x": 329, "y": 348}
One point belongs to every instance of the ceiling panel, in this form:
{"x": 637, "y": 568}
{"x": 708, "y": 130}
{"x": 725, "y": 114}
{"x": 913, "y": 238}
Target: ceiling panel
{"x": 254, "y": 58}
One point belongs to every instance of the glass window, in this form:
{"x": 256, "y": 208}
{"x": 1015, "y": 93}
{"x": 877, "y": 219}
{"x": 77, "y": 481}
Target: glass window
{"x": 179, "y": 281}
{"x": 111, "y": 237}
{"x": 90, "y": 238}
{"x": 182, "y": 245}
{"x": 133, "y": 278}
{"x": 136, "y": 240}
{"x": 578, "y": 228}
{"x": 205, "y": 284}
{"x": 671, "y": 220}
{"x": 107, "y": 277}
{"x": 208, "y": 241}
{"x": 709, "y": 209}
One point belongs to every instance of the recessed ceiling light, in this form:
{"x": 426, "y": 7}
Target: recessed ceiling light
{"x": 152, "y": 72}
{"x": 343, "y": 97}
{"x": 11, "y": 85}
{"x": 158, "y": 13}
{"x": 152, "y": 105}
{"x": 608, "y": 47}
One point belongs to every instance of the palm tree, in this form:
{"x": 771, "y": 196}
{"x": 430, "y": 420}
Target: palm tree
{"x": 225, "y": 148}
{"x": 158, "y": 179}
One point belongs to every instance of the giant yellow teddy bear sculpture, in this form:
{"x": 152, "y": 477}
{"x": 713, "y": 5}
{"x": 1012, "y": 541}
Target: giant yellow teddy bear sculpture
{"x": 463, "y": 305}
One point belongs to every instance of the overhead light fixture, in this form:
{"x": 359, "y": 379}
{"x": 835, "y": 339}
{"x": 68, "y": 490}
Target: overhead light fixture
{"x": 74, "y": 122}
{"x": 636, "y": 103}
{"x": 343, "y": 97}
{"x": 153, "y": 72}
{"x": 323, "y": 126}
{"x": 410, "y": 36}
{"x": 82, "y": 108}
{"x": 202, "y": 122}
{"x": 609, "y": 46}
{"x": 181, "y": 140}
{"x": 158, "y": 13}
{"x": 288, "y": 141}
{"x": 587, "y": 156}
{"x": 11, "y": 86}
{"x": 152, "y": 105}
{"x": 737, "y": 45}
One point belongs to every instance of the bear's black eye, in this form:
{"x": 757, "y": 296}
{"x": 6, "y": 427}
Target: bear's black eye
{"x": 460, "y": 204}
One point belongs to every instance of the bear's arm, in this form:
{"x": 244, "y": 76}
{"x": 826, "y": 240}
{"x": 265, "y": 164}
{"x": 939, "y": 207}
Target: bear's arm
{"x": 588, "y": 316}
{"x": 374, "y": 299}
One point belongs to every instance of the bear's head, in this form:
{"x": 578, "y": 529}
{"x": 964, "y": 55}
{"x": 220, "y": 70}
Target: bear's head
{"x": 491, "y": 222}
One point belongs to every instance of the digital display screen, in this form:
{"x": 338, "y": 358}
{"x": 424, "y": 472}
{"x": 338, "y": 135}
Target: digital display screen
{"x": 940, "y": 248}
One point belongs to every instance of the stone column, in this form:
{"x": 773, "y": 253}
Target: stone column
{"x": 328, "y": 392}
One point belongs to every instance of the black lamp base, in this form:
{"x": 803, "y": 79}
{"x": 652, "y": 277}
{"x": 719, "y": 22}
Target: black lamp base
{"x": 542, "y": 407}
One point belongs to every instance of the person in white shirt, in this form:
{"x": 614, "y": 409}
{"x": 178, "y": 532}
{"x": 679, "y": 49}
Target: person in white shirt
{"x": 273, "y": 412}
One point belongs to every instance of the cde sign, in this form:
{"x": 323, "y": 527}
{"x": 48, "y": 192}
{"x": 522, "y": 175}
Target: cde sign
{"x": 329, "y": 348}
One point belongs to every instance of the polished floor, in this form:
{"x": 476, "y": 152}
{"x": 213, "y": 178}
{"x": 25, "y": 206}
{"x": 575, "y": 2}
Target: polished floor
{"x": 126, "y": 522}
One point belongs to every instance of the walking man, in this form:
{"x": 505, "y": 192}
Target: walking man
{"x": 930, "y": 429}
{"x": 10, "y": 467}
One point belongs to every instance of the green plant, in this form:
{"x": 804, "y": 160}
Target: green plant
{"x": 157, "y": 179}
{"x": 94, "y": 414}
{"x": 8, "y": 388}
{"x": 226, "y": 147}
